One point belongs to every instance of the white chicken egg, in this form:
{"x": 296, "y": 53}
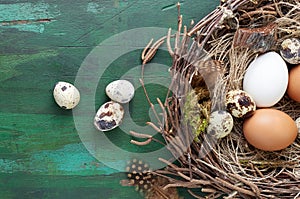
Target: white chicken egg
{"x": 266, "y": 79}
{"x": 66, "y": 95}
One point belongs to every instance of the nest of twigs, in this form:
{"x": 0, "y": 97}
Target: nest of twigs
{"x": 210, "y": 58}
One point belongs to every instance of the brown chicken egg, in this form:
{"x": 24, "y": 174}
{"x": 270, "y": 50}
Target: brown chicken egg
{"x": 270, "y": 130}
{"x": 293, "y": 89}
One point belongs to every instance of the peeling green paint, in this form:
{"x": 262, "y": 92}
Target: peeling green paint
{"x": 37, "y": 28}
{"x": 16, "y": 15}
{"x": 72, "y": 159}
{"x": 95, "y": 8}
{"x": 26, "y": 11}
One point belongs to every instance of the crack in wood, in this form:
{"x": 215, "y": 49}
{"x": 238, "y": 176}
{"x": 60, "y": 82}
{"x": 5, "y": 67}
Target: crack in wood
{"x": 26, "y": 21}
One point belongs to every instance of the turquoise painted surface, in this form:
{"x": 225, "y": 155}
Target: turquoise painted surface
{"x": 27, "y": 186}
{"x": 9, "y": 63}
{"x": 42, "y": 42}
{"x": 27, "y": 16}
{"x": 72, "y": 159}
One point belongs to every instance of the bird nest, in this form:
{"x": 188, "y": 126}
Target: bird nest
{"x": 209, "y": 59}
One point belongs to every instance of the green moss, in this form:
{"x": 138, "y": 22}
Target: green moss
{"x": 195, "y": 113}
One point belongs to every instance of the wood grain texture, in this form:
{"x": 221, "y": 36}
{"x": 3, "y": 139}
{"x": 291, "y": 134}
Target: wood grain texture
{"x": 42, "y": 42}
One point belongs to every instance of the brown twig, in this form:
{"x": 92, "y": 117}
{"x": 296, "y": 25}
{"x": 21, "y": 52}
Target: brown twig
{"x": 146, "y": 49}
{"x": 150, "y": 103}
{"x": 231, "y": 186}
{"x": 139, "y": 143}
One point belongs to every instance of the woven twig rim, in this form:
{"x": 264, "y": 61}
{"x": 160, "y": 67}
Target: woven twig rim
{"x": 229, "y": 167}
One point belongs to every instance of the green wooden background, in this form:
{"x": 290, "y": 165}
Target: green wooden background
{"x": 42, "y": 42}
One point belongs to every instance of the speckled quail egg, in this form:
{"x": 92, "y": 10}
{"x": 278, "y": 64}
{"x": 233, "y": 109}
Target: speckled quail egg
{"x": 121, "y": 91}
{"x": 66, "y": 95}
{"x": 109, "y": 116}
{"x": 290, "y": 50}
{"x": 239, "y": 103}
{"x": 220, "y": 124}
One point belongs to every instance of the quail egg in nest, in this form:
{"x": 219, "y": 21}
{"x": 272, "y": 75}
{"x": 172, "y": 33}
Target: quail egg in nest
{"x": 239, "y": 103}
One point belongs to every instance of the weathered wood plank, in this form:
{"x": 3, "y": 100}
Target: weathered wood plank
{"x": 42, "y": 42}
{"x": 25, "y": 185}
